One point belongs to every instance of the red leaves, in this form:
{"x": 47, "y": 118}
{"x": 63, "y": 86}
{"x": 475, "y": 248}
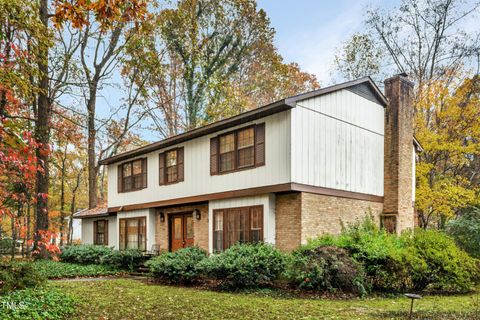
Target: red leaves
{"x": 106, "y": 12}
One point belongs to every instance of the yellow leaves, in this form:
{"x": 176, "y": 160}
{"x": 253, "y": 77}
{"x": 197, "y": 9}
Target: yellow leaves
{"x": 447, "y": 125}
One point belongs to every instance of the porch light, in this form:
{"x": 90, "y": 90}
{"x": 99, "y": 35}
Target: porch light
{"x": 198, "y": 216}
{"x": 162, "y": 216}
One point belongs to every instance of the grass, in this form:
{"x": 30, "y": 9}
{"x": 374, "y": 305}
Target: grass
{"x": 58, "y": 270}
{"x": 44, "y": 302}
{"x": 131, "y": 299}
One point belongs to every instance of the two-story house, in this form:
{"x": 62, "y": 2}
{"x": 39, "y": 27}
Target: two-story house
{"x": 281, "y": 173}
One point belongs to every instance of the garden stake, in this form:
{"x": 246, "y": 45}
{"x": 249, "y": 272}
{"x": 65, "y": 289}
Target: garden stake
{"x": 413, "y": 297}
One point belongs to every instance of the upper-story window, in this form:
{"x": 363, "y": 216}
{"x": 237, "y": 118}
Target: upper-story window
{"x": 171, "y": 166}
{"x": 239, "y": 149}
{"x": 132, "y": 175}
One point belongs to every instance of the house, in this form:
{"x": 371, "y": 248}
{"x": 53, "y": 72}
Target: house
{"x": 282, "y": 173}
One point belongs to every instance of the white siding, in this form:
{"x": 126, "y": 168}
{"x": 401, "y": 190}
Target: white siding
{"x": 268, "y": 202}
{"x": 87, "y": 230}
{"x": 337, "y": 142}
{"x": 414, "y": 178}
{"x": 198, "y": 180}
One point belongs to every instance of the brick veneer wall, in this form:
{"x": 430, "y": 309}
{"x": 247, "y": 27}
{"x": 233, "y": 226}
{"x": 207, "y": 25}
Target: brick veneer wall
{"x": 288, "y": 220}
{"x": 326, "y": 214}
{"x": 398, "y": 169}
{"x": 200, "y": 227}
{"x": 301, "y": 215}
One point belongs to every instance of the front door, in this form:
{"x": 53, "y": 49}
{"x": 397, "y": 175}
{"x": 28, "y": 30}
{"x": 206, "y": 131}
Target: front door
{"x": 181, "y": 231}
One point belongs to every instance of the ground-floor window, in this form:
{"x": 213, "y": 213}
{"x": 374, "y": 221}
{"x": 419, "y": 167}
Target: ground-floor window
{"x": 100, "y": 232}
{"x": 234, "y": 225}
{"x": 133, "y": 233}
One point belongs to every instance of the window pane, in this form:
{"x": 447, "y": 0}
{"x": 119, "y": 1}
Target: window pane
{"x": 189, "y": 222}
{"x": 172, "y": 158}
{"x": 218, "y": 221}
{"x": 137, "y": 167}
{"x": 172, "y": 174}
{"x": 100, "y": 226}
{"x": 127, "y": 169}
{"x": 246, "y": 157}
{"x": 142, "y": 234}
{"x": 122, "y": 234}
{"x": 227, "y": 143}
{"x": 227, "y": 161}
{"x": 245, "y": 138}
{"x": 132, "y": 234}
{"x": 177, "y": 228}
{"x": 127, "y": 183}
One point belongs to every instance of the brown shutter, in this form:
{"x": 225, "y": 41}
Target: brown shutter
{"x": 180, "y": 164}
{"x": 260, "y": 144}
{"x": 144, "y": 172}
{"x": 214, "y": 156}
{"x": 119, "y": 176}
{"x": 94, "y": 232}
{"x": 105, "y": 226}
{"x": 161, "y": 168}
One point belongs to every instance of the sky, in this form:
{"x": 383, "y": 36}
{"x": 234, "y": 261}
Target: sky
{"x": 309, "y": 31}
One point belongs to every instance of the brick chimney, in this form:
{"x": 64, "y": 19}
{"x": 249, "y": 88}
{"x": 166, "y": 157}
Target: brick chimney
{"x": 398, "y": 213}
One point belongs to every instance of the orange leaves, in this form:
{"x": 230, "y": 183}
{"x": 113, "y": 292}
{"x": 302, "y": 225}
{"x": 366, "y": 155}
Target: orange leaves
{"x": 106, "y": 12}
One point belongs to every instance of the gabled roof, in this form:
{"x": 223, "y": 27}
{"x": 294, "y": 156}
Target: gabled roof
{"x": 364, "y": 87}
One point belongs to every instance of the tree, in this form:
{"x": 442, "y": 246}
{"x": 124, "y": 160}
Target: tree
{"x": 426, "y": 39}
{"x": 209, "y": 59}
{"x": 359, "y": 57}
{"x": 448, "y": 174}
{"x": 211, "y": 38}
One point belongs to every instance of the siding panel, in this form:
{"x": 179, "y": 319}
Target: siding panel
{"x": 338, "y": 143}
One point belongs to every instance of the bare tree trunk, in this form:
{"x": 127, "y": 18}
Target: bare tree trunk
{"x": 62, "y": 196}
{"x": 92, "y": 163}
{"x": 28, "y": 228}
{"x": 12, "y": 252}
{"x": 72, "y": 208}
{"x": 42, "y": 133}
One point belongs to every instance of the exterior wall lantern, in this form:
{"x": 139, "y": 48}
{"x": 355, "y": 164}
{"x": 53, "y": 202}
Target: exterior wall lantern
{"x": 198, "y": 216}
{"x": 162, "y": 217}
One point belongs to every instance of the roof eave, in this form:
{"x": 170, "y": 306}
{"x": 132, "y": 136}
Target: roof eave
{"x": 278, "y": 106}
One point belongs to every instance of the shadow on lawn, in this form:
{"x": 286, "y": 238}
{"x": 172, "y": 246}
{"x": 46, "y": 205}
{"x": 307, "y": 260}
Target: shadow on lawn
{"x": 444, "y": 315}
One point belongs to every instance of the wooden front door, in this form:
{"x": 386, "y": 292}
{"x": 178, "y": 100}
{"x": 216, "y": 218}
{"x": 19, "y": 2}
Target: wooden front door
{"x": 181, "y": 231}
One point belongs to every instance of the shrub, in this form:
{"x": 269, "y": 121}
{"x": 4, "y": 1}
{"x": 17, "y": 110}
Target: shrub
{"x": 245, "y": 266}
{"x": 438, "y": 262}
{"x": 325, "y": 268}
{"x": 57, "y": 270}
{"x": 126, "y": 259}
{"x": 18, "y": 275}
{"x": 465, "y": 230}
{"x": 85, "y": 254}
{"x": 410, "y": 262}
{"x": 40, "y": 303}
{"x": 179, "y": 267}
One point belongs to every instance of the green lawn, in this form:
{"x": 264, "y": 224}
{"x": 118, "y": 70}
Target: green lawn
{"x": 57, "y": 270}
{"x": 131, "y": 299}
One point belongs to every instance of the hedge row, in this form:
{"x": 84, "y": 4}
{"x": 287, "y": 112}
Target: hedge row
{"x": 94, "y": 254}
{"x": 361, "y": 259}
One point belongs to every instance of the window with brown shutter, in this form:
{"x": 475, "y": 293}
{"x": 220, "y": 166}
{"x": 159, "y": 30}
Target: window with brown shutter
{"x": 171, "y": 167}
{"x": 132, "y": 175}
{"x": 100, "y": 232}
{"x": 237, "y": 225}
{"x": 237, "y": 150}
